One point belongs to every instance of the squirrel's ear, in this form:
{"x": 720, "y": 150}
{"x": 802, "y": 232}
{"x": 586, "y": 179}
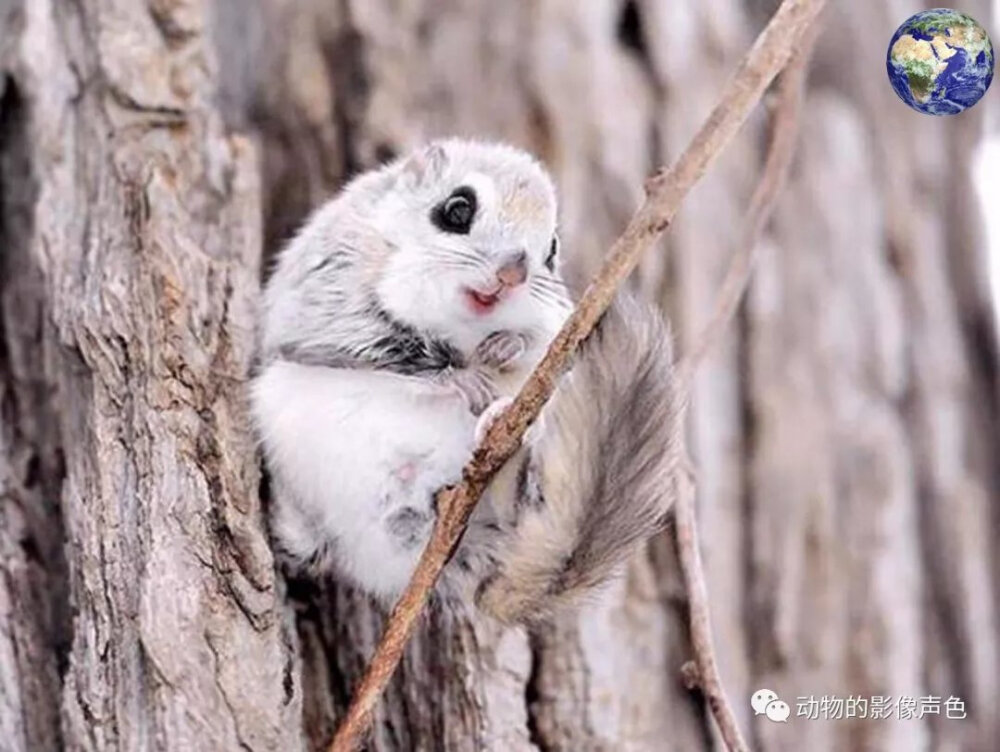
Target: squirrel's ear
{"x": 428, "y": 164}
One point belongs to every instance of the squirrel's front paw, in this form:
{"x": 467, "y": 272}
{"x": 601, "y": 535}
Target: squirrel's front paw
{"x": 489, "y": 417}
{"x": 501, "y": 349}
{"x": 475, "y": 387}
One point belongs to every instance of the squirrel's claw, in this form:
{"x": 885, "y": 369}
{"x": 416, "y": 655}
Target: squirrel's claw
{"x": 501, "y": 349}
{"x": 489, "y": 416}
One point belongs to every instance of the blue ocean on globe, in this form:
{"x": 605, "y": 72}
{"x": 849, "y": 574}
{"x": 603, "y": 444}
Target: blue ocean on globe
{"x": 940, "y": 62}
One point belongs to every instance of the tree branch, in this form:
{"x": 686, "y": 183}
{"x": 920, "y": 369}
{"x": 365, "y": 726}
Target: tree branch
{"x": 784, "y": 136}
{"x": 786, "y": 108}
{"x": 665, "y": 192}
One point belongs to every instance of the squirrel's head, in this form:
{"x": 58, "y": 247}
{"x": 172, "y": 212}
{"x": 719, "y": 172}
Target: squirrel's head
{"x": 457, "y": 239}
{"x": 471, "y": 240}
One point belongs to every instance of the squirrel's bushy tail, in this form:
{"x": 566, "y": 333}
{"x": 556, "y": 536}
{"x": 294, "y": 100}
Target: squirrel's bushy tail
{"x": 596, "y": 479}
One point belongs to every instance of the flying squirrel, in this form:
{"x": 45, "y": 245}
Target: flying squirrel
{"x": 394, "y": 327}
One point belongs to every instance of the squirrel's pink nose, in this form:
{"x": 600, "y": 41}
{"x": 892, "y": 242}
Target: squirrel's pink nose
{"x": 514, "y": 270}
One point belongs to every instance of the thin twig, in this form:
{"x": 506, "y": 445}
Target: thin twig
{"x": 705, "y": 672}
{"x": 786, "y": 108}
{"x": 665, "y": 192}
{"x": 781, "y": 149}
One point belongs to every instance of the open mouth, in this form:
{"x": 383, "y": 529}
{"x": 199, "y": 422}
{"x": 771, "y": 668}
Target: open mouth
{"x": 483, "y": 301}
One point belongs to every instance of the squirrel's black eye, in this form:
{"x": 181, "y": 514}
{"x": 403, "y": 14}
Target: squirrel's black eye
{"x": 550, "y": 260}
{"x": 455, "y": 213}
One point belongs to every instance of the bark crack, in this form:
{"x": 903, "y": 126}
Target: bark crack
{"x": 35, "y": 620}
{"x": 217, "y": 662}
{"x": 532, "y": 698}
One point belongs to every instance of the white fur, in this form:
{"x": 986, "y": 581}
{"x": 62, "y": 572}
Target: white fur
{"x": 342, "y": 437}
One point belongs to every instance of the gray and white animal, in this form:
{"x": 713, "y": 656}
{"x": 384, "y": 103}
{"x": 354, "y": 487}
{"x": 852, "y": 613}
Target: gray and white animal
{"x": 396, "y": 324}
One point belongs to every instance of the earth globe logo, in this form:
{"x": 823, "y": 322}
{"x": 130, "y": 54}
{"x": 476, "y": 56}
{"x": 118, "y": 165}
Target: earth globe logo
{"x": 940, "y": 62}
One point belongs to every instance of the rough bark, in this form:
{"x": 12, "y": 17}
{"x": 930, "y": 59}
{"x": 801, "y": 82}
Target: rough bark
{"x": 846, "y": 433}
{"x": 131, "y": 301}
{"x": 34, "y": 613}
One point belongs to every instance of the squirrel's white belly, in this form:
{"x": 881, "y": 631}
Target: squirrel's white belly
{"x": 357, "y": 457}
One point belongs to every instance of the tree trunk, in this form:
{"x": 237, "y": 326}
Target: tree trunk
{"x": 131, "y": 249}
{"x": 846, "y": 432}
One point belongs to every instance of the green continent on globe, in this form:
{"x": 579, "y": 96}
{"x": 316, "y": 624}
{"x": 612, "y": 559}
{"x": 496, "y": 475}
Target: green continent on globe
{"x": 940, "y": 62}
